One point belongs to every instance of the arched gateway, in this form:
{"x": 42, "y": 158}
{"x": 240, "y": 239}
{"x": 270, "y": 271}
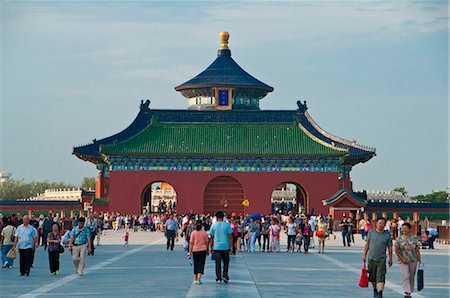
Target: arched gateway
{"x": 222, "y": 133}
{"x": 223, "y": 193}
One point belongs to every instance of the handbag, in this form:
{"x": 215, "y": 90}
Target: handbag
{"x": 420, "y": 277}
{"x": 12, "y": 254}
{"x": 364, "y": 280}
{"x": 60, "y": 249}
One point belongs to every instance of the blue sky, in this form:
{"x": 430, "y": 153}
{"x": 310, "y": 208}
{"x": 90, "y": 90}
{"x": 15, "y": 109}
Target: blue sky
{"x": 376, "y": 72}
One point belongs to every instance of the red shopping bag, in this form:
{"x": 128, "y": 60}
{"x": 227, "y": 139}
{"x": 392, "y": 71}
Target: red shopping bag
{"x": 364, "y": 279}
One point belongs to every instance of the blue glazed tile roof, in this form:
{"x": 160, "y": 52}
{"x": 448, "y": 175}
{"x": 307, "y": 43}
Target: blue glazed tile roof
{"x": 224, "y": 72}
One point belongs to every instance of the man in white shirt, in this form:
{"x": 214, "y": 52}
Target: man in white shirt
{"x": 26, "y": 241}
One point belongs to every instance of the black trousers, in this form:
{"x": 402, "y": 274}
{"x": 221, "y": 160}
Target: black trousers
{"x": 290, "y": 240}
{"x": 346, "y": 236}
{"x": 265, "y": 240}
{"x": 170, "y": 234}
{"x": 199, "y": 261}
{"x": 222, "y": 255}
{"x": 53, "y": 258}
{"x": 93, "y": 234}
{"x": 26, "y": 256}
{"x": 306, "y": 240}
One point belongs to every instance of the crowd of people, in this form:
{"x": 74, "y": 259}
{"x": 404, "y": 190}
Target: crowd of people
{"x": 219, "y": 235}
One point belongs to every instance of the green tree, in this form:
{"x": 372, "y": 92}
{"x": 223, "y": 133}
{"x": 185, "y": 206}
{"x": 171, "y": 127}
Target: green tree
{"x": 435, "y": 197}
{"x": 13, "y": 189}
{"x": 401, "y": 189}
{"x": 88, "y": 183}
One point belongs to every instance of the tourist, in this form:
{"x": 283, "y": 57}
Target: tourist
{"x": 330, "y": 226}
{"x": 53, "y": 243}
{"x": 291, "y": 231}
{"x": 171, "y": 232}
{"x": 433, "y": 235}
{"x": 221, "y": 239}
{"x": 252, "y": 234}
{"x": 91, "y": 224}
{"x": 242, "y": 234}
{"x": 313, "y": 224}
{"x": 40, "y": 235}
{"x": 26, "y": 242}
{"x": 377, "y": 242}
{"x": 47, "y": 228}
{"x": 79, "y": 244}
{"x": 198, "y": 250}
{"x": 265, "y": 234}
{"x": 306, "y": 235}
{"x": 234, "y": 228}
{"x": 7, "y": 241}
{"x": 394, "y": 229}
{"x": 351, "y": 227}
{"x": 407, "y": 249}
{"x": 400, "y": 223}
{"x": 126, "y": 238}
{"x": 362, "y": 231}
{"x": 345, "y": 231}
{"x": 321, "y": 234}
{"x": 258, "y": 233}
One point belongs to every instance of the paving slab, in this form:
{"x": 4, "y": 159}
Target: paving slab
{"x": 147, "y": 269}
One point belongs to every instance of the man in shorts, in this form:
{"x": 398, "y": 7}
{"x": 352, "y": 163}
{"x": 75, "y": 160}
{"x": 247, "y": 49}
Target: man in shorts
{"x": 375, "y": 250}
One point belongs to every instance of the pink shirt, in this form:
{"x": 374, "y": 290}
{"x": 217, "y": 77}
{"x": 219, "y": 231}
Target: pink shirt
{"x": 199, "y": 241}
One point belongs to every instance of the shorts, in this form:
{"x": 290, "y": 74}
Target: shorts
{"x": 377, "y": 270}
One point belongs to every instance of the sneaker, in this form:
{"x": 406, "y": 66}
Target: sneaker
{"x": 194, "y": 282}
{"x": 7, "y": 266}
{"x": 225, "y": 280}
{"x": 57, "y": 272}
{"x": 199, "y": 282}
{"x": 53, "y": 273}
{"x": 218, "y": 281}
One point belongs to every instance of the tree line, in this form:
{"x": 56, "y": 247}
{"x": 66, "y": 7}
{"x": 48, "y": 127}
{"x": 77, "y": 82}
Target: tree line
{"x": 13, "y": 189}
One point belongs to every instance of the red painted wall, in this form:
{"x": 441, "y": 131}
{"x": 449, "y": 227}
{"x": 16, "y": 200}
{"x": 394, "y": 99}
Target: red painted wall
{"x": 125, "y": 188}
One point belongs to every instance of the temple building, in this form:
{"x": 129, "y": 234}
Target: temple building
{"x": 223, "y": 149}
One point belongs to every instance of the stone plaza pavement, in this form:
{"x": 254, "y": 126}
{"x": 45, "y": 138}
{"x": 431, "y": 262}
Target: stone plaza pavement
{"x": 147, "y": 269}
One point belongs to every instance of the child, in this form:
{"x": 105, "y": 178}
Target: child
{"x": 125, "y": 238}
{"x": 274, "y": 231}
{"x": 298, "y": 241}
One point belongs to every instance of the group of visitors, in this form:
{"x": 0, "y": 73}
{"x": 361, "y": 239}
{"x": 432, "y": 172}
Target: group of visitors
{"x": 407, "y": 249}
{"x": 220, "y": 236}
{"x": 21, "y": 236}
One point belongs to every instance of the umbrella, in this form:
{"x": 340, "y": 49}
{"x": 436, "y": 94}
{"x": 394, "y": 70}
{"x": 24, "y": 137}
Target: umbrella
{"x": 255, "y": 216}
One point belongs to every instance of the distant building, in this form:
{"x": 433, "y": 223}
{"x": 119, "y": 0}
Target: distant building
{"x": 385, "y": 195}
{"x": 4, "y": 176}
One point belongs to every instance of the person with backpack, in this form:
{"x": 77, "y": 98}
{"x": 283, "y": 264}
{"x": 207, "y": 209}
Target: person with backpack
{"x": 79, "y": 244}
{"x": 7, "y": 240}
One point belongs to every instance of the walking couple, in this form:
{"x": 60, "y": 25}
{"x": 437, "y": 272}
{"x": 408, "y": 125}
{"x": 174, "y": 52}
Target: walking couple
{"x": 220, "y": 243}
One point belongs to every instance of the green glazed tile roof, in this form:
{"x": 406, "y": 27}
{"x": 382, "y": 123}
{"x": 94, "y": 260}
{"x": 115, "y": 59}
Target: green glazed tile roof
{"x": 223, "y": 139}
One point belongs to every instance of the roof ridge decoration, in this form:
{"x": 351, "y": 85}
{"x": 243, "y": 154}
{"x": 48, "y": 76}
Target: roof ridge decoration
{"x": 336, "y": 138}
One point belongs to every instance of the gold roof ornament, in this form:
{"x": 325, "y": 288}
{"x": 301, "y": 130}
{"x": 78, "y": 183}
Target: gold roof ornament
{"x": 224, "y": 40}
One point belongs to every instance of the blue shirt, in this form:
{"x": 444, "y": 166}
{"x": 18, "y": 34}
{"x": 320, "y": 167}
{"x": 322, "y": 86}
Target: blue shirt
{"x": 25, "y": 236}
{"x": 81, "y": 235}
{"x": 92, "y": 226}
{"x": 171, "y": 224}
{"x": 220, "y": 231}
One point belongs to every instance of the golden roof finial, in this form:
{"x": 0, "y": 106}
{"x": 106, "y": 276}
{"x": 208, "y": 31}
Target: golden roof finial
{"x": 224, "y": 40}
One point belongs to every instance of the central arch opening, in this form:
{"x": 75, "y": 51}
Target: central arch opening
{"x": 159, "y": 197}
{"x": 223, "y": 193}
{"x": 289, "y": 197}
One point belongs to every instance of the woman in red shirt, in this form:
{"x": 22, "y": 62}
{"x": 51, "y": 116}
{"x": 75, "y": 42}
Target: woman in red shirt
{"x": 199, "y": 249}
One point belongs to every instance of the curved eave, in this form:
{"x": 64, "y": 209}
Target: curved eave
{"x": 91, "y": 152}
{"x": 357, "y": 152}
